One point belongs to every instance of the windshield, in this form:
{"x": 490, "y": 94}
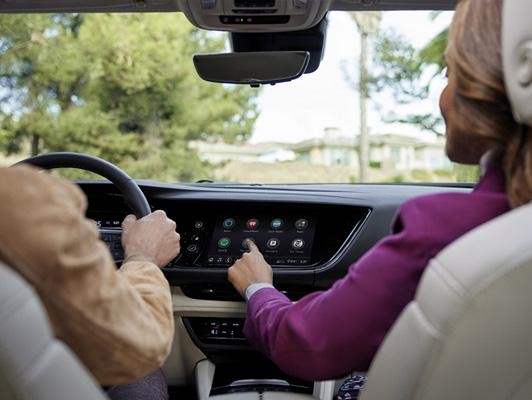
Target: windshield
{"x": 123, "y": 87}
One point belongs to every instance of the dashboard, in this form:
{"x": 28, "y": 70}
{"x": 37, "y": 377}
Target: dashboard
{"x": 310, "y": 234}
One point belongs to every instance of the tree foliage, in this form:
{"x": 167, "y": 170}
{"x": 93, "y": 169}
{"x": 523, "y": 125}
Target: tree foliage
{"x": 119, "y": 86}
{"x": 408, "y": 72}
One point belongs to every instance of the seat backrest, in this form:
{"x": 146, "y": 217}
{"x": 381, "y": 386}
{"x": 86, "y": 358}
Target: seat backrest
{"x": 468, "y": 333}
{"x": 33, "y": 364}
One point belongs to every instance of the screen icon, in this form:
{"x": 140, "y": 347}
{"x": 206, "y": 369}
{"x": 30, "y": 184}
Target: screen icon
{"x": 224, "y": 243}
{"x": 277, "y": 223}
{"x": 244, "y": 243}
{"x": 273, "y": 243}
{"x": 229, "y": 223}
{"x": 252, "y": 223}
{"x": 301, "y": 224}
{"x": 298, "y": 244}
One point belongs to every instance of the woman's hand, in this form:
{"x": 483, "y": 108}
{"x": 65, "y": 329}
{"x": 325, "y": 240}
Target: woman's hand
{"x": 152, "y": 238}
{"x": 250, "y": 268}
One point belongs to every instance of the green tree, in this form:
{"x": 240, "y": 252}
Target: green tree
{"x": 119, "y": 86}
{"x": 409, "y": 72}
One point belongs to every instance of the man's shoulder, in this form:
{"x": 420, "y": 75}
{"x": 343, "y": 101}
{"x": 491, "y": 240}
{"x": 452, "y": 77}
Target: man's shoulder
{"x": 29, "y": 183}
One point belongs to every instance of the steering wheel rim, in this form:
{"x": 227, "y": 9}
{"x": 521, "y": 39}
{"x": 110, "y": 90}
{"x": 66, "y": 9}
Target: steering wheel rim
{"x": 133, "y": 196}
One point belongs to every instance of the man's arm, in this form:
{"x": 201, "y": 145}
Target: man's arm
{"x": 119, "y": 323}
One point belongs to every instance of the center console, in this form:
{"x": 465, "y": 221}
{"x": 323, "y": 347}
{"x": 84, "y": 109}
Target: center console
{"x": 251, "y": 381}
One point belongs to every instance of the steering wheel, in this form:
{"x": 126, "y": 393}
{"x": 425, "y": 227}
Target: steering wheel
{"x": 133, "y": 196}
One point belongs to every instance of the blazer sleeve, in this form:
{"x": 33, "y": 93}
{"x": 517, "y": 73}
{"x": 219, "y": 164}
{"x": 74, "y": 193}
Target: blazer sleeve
{"x": 332, "y": 333}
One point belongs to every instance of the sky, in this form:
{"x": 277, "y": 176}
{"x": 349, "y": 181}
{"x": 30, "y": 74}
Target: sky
{"x": 302, "y": 109}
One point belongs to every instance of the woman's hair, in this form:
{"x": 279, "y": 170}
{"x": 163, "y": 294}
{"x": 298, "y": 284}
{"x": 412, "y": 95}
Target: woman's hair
{"x": 482, "y": 107}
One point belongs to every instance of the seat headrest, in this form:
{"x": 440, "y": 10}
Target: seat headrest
{"x": 517, "y": 57}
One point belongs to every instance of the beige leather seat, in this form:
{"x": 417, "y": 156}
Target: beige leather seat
{"x": 33, "y": 364}
{"x": 468, "y": 333}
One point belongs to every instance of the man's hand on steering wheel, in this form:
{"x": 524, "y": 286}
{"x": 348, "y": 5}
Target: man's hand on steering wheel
{"x": 152, "y": 238}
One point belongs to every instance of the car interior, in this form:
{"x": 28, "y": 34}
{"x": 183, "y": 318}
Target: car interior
{"x": 467, "y": 334}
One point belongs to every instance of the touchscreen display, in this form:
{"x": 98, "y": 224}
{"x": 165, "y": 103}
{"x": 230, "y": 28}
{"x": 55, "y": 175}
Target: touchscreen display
{"x": 282, "y": 240}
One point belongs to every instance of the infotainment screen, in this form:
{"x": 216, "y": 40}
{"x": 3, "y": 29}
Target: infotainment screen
{"x": 282, "y": 240}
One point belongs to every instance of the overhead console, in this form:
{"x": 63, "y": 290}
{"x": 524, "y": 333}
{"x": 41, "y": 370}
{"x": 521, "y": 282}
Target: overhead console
{"x": 254, "y": 15}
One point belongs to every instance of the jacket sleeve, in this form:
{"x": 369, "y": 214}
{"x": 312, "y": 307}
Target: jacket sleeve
{"x": 333, "y": 333}
{"x": 118, "y": 322}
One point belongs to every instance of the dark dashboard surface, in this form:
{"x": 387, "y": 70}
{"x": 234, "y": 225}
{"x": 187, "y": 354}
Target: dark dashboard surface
{"x": 310, "y": 234}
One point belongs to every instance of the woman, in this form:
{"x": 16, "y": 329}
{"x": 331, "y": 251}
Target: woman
{"x": 330, "y": 334}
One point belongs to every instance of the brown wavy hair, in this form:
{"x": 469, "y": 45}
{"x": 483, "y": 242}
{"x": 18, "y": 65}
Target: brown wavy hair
{"x": 482, "y": 107}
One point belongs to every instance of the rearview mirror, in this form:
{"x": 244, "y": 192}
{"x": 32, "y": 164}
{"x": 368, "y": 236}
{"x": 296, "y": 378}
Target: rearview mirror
{"x": 252, "y": 68}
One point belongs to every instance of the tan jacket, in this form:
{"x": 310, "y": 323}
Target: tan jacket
{"x": 118, "y": 322}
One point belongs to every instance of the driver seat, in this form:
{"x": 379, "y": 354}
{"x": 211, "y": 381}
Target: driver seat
{"x": 34, "y": 365}
{"x": 468, "y": 332}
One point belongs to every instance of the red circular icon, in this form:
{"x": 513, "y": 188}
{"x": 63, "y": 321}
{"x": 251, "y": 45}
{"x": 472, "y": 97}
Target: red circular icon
{"x": 252, "y": 223}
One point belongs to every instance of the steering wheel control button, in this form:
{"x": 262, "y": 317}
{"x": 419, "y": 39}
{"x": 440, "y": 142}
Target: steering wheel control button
{"x": 229, "y": 223}
{"x": 298, "y": 244}
{"x": 277, "y": 223}
{"x": 224, "y": 243}
{"x": 192, "y": 248}
{"x": 273, "y": 243}
{"x": 301, "y": 224}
